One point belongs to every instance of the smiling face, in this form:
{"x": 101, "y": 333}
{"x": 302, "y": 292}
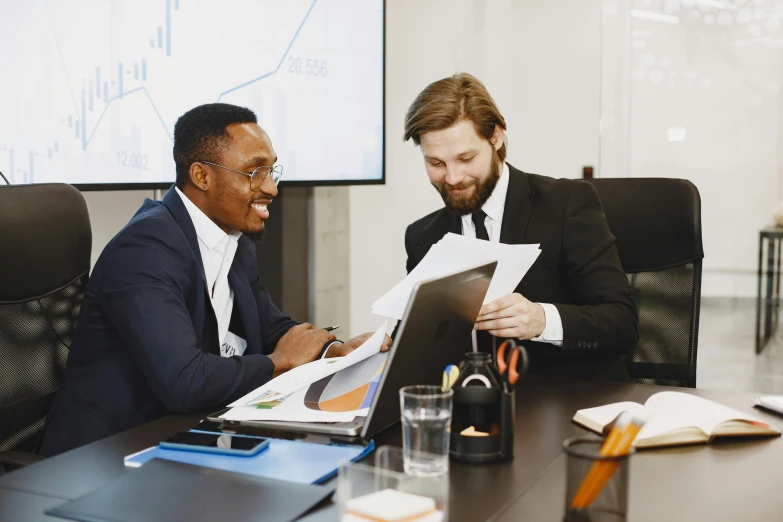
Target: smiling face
{"x": 229, "y": 201}
{"x": 463, "y": 166}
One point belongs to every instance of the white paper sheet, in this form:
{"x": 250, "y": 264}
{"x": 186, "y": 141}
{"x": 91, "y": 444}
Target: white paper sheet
{"x": 306, "y": 374}
{"x": 454, "y": 253}
{"x": 514, "y": 261}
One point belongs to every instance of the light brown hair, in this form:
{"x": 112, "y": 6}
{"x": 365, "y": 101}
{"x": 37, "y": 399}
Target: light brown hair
{"x": 447, "y": 102}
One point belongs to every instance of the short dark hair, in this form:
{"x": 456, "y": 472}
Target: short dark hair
{"x": 446, "y": 102}
{"x": 201, "y": 132}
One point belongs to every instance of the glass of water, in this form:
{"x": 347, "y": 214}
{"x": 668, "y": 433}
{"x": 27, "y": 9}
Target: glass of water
{"x": 426, "y": 429}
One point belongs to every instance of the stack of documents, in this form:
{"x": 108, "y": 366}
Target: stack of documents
{"x": 454, "y": 253}
{"x": 308, "y": 394}
{"x": 342, "y": 388}
{"x": 301, "y": 376}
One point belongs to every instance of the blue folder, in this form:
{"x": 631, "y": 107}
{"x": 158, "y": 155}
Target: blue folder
{"x": 291, "y": 460}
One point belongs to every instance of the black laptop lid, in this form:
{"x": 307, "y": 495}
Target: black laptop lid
{"x": 435, "y": 331}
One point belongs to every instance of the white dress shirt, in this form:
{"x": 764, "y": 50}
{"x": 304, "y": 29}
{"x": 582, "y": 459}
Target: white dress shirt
{"x": 493, "y": 208}
{"x": 217, "y": 253}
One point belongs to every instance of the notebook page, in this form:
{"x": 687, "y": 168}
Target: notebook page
{"x": 663, "y": 422}
{"x": 699, "y": 412}
{"x": 603, "y": 415}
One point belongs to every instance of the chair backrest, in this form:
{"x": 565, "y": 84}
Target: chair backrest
{"x": 45, "y": 242}
{"x": 657, "y": 224}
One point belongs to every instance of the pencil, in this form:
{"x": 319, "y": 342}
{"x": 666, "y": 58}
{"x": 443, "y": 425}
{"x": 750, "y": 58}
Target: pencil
{"x": 623, "y": 447}
{"x": 609, "y": 446}
{"x": 605, "y": 469}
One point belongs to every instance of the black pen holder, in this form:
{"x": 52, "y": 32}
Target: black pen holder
{"x": 482, "y": 419}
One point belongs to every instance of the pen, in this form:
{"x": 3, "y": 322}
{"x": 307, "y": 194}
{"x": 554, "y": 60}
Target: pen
{"x": 330, "y": 328}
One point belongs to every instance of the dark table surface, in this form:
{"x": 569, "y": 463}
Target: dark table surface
{"x": 736, "y": 480}
{"x": 730, "y": 479}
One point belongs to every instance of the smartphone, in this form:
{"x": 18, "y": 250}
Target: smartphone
{"x": 224, "y": 444}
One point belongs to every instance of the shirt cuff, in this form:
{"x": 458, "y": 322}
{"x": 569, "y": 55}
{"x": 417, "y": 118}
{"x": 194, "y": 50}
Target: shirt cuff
{"x": 553, "y": 331}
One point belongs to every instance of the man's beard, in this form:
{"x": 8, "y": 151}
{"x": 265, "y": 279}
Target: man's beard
{"x": 464, "y": 205}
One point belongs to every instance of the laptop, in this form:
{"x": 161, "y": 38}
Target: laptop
{"x": 435, "y": 331}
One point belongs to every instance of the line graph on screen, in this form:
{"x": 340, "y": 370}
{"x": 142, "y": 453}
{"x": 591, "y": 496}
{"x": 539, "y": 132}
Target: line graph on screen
{"x": 98, "y": 87}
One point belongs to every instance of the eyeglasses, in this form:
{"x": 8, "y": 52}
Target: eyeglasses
{"x": 259, "y": 176}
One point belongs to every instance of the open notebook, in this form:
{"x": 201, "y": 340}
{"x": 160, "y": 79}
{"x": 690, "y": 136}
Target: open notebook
{"x": 675, "y": 418}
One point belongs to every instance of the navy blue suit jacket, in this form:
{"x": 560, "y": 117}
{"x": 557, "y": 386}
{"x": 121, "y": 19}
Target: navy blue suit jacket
{"x": 146, "y": 341}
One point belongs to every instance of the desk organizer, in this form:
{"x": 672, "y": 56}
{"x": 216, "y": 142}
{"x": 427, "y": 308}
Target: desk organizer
{"x": 481, "y": 403}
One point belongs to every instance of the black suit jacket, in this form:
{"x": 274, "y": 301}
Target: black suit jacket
{"x": 578, "y": 271}
{"x": 146, "y": 341}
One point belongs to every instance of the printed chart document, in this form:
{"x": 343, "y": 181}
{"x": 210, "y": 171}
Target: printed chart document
{"x": 339, "y": 397}
{"x": 454, "y": 253}
{"x": 291, "y": 409}
{"x": 306, "y": 374}
{"x": 342, "y": 388}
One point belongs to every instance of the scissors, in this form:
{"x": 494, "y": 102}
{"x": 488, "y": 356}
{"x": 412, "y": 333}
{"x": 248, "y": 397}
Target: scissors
{"x": 509, "y": 369}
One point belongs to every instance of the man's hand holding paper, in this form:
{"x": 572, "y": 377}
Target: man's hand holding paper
{"x": 343, "y": 349}
{"x": 454, "y": 253}
{"x": 512, "y": 316}
{"x": 300, "y": 345}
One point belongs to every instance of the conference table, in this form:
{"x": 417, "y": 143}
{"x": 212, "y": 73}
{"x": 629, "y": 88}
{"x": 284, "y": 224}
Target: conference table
{"x": 730, "y": 479}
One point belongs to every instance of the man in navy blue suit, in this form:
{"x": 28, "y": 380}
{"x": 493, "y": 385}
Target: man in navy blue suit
{"x": 174, "y": 317}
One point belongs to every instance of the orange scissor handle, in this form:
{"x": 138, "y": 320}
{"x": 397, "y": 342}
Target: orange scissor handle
{"x": 513, "y": 374}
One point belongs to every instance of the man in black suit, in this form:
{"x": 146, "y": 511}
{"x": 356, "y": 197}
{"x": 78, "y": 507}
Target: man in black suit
{"x": 573, "y": 310}
{"x": 175, "y": 318}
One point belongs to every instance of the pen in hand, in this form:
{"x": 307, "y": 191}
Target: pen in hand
{"x": 330, "y": 328}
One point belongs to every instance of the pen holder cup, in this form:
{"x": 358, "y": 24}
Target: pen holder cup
{"x": 596, "y": 486}
{"x": 482, "y": 423}
{"x": 387, "y": 471}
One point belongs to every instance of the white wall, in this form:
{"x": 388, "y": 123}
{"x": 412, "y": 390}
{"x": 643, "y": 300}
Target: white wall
{"x": 539, "y": 60}
{"x": 715, "y": 76}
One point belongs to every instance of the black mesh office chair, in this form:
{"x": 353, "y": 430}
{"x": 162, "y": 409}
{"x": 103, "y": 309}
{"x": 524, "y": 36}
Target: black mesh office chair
{"x": 45, "y": 242}
{"x": 657, "y": 223}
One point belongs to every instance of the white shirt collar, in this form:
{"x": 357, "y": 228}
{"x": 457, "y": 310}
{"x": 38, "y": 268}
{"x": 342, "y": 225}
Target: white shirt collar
{"x": 497, "y": 200}
{"x": 217, "y": 256}
{"x": 206, "y": 229}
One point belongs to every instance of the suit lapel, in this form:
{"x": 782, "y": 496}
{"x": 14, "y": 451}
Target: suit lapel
{"x": 446, "y": 222}
{"x": 176, "y": 207}
{"x": 519, "y": 207}
{"x": 180, "y": 214}
{"x": 443, "y": 223}
{"x": 245, "y": 308}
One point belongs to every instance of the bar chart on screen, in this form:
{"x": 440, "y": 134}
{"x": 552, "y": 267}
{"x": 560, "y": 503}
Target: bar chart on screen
{"x": 96, "y": 87}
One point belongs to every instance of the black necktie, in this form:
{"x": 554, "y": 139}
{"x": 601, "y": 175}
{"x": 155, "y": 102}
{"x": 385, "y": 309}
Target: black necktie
{"x": 481, "y": 229}
{"x": 483, "y": 339}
